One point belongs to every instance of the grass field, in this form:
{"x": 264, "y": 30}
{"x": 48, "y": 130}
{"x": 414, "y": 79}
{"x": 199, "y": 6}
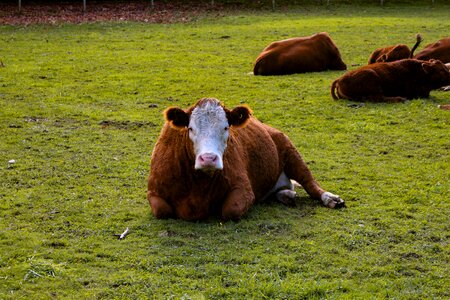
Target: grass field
{"x": 81, "y": 108}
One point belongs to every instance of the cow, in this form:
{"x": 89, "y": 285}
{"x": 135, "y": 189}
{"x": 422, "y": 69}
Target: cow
{"x": 393, "y": 53}
{"x": 439, "y": 50}
{"x": 394, "y": 81}
{"x": 313, "y": 53}
{"x": 210, "y": 161}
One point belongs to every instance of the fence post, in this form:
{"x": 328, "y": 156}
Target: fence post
{"x": 273, "y": 4}
{"x": 84, "y": 5}
{"x": 20, "y": 6}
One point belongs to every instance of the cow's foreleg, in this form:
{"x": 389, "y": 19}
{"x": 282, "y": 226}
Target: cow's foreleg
{"x": 160, "y": 208}
{"x": 296, "y": 169}
{"x": 237, "y": 203}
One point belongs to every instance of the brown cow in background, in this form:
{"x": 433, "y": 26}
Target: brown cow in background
{"x": 212, "y": 161}
{"x": 392, "y": 81}
{"x": 439, "y": 50}
{"x": 313, "y": 53}
{"x": 393, "y": 53}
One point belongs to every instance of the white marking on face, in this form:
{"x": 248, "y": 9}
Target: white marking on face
{"x": 209, "y": 131}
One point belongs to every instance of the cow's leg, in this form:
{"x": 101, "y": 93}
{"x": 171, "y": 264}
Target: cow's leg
{"x": 160, "y": 208}
{"x": 283, "y": 190}
{"x": 287, "y": 197}
{"x": 390, "y": 99}
{"x": 237, "y": 203}
{"x": 295, "y": 168}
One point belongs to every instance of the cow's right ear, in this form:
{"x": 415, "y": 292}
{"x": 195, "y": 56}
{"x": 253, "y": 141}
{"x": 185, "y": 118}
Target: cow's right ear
{"x": 177, "y": 117}
{"x": 382, "y": 58}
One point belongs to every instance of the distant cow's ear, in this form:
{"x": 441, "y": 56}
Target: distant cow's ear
{"x": 238, "y": 116}
{"x": 382, "y": 58}
{"x": 428, "y": 67}
{"x": 177, "y": 117}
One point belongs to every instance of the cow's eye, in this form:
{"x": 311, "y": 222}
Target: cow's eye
{"x": 226, "y": 128}
{"x": 190, "y": 129}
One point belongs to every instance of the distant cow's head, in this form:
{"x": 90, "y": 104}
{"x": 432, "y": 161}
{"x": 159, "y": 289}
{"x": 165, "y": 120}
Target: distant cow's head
{"x": 438, "y": 73}
{"x": 208, "y": 123}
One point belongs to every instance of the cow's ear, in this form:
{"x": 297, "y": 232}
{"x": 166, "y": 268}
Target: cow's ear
{"x": 427, "y": 67}
{"x": 177, "y": 117}
{"x": 382, "y": 58}
{"x": 238, "y": 116}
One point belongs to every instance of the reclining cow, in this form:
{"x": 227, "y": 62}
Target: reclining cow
{"x": 392, "y": 81}
{"x": 299, "y": 55}
{"x": 439, "y": 50}
{"x": 212, "y": 161}
{"x": 393, "y": 53}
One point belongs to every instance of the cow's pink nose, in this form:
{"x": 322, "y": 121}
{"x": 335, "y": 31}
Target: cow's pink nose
{"x": 208, "y": 159}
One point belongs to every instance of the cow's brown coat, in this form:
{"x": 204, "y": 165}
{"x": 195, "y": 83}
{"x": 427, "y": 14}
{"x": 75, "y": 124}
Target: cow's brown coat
{"x": 255, "y": 156}
{"x": 439, "y": 50}
{"x": 299, "y": 55}
{"x": 395, "y": 52}
{"x": 392, "y": 81}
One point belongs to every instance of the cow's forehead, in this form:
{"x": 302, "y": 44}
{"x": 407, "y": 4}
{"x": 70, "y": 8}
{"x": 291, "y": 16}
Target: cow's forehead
{"x": 209, "y": 110}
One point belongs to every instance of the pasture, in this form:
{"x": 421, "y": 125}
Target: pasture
{"x": 81, "y": 108}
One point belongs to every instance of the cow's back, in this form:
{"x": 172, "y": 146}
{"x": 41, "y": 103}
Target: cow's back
{"x": 439, "y": 50}
{"x": 298, "y": 55}
{"x": 391, "y": 53}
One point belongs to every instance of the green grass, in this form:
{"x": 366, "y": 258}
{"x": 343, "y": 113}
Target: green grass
{"x": 81, "y": 108}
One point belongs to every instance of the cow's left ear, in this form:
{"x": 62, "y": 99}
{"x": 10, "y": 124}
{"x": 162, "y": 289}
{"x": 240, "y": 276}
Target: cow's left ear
{"x": 429, "y": 66}
{"x": 177, "y": 117}
{"x": 238, "y": 116}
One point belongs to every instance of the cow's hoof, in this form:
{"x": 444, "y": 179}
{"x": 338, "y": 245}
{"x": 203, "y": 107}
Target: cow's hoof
{"x": 287, "y": 197}
{"x": 332, "y": 201}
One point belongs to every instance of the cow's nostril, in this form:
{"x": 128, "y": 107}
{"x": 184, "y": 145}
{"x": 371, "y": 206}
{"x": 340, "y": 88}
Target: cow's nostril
{"x": 208, "y": 158}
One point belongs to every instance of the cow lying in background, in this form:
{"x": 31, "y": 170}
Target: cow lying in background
{"x": 299, "y": 55}
{"x": 210, "y": 160}
{"x": 393, "y": 53}
{"x": 392, "y": 81}
{"x": 439, "y": 50}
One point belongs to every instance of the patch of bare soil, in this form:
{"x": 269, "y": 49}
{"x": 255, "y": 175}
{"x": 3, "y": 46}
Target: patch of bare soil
{"x": 59, "y": 12}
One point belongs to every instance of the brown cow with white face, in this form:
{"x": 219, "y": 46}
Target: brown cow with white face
{"x": 212, "y": 161}
{"x": 394, "y": 81}
{"x": 393, "y": 53}
{"x": 299, "y": 55}
{"x": 439, "y": 50}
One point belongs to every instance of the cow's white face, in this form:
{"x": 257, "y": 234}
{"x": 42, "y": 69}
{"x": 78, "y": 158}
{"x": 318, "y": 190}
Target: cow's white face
{"x": 208, "y": 131}
{"x": 208, "y": 124}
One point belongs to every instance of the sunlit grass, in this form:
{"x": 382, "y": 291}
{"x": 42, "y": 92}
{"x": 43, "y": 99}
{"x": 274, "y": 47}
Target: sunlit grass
{"x": 81, "y": 108}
